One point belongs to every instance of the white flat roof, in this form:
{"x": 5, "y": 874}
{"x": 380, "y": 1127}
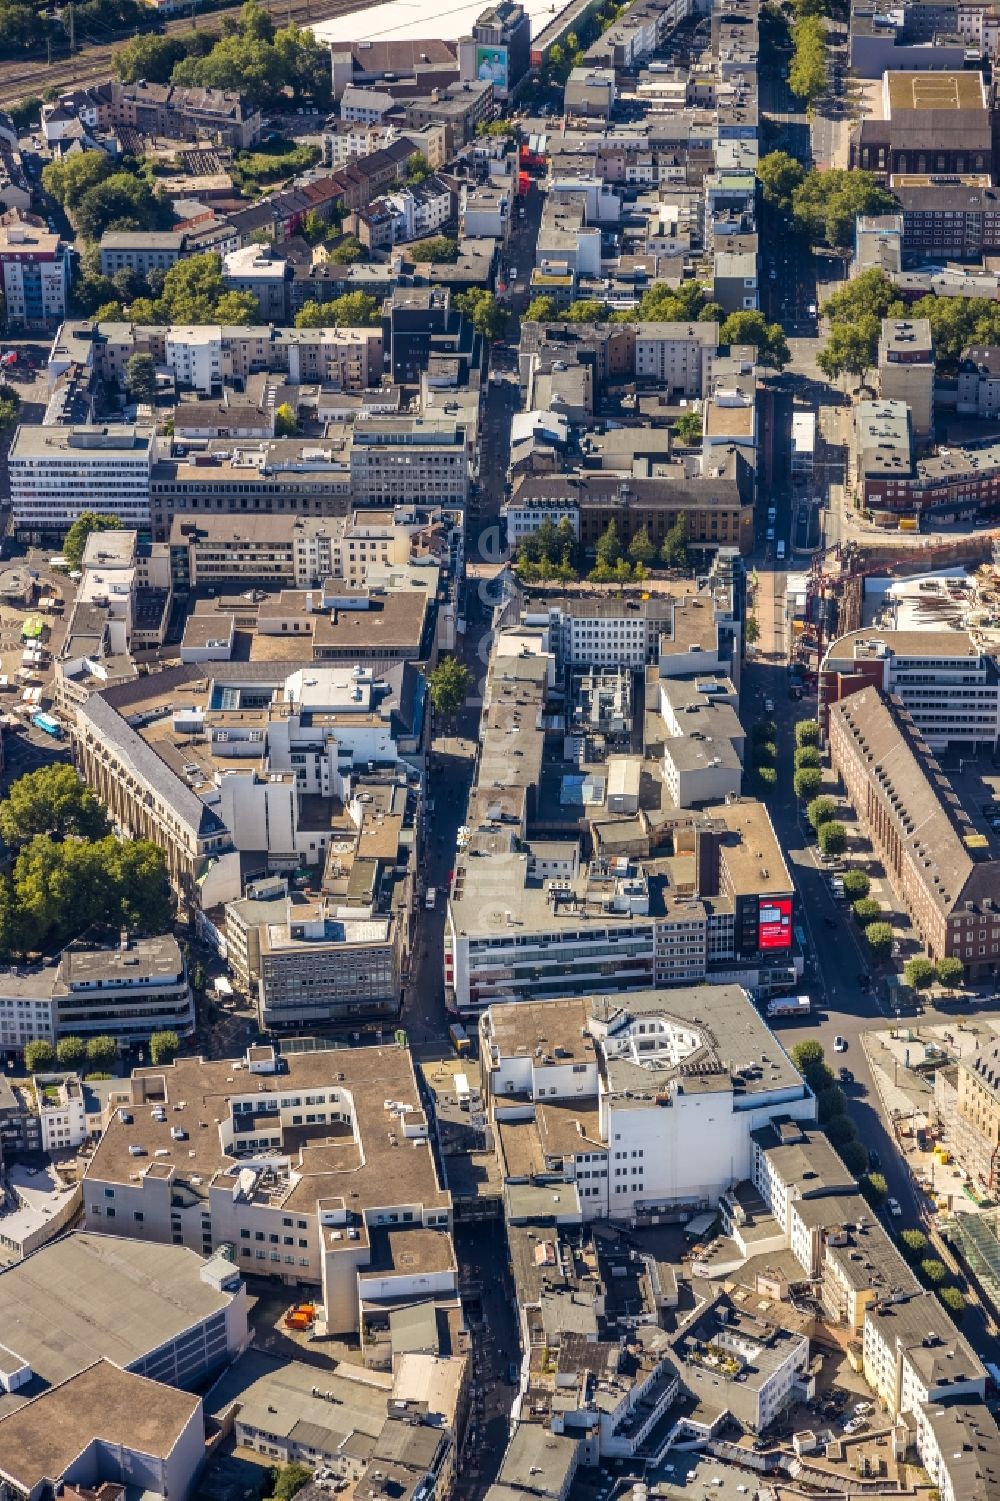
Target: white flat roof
{"x": 399, "y": 20}
{"x": 803, "y": 432}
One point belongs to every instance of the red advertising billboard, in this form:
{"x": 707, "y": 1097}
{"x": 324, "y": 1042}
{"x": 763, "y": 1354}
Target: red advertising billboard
{"x": 774, "y": 923}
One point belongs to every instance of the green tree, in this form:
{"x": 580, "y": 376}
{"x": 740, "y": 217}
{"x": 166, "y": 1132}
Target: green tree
{"x": 139, "y": 896}
{"x": 27, "y": 111}
{"x": 348, "y": 252}
{"x": 826, "y": 205}
{"x": 856, "y": 885}
{"x": 75, "y": 540}
{"x": 52, "y": 800}
{"x": 870, "y": 295}
{"x": 236, "y": 310}
{"x": 832, "y": 837}
{"x": 764, "y": 753}
{"x": 751, "y": 630}
{"x": 164, "y": 1046}
{"x": 954, "y": 1300}
{"x": 418, "y": 168}
{"x": 289, "y": 1479}
{"x": 191, "y": 289}
{"x": 585, "y": 310}
{"x": 140, "y": 377}
{"x": 807, "y": 732}
{"x": 830, "y": 1102}
{"x": 435, "y": 249}
{"x": 687, "y": 428}
{"x": 751, "y": 327}
{"x": 807, "y": 783}
{"x": 807, "y": 1056}
{"x": 108, "y": 312}
{"x": 664, "y": 303}
{"x": 541, "y": 310}
{"x": 840, "y": 1129}
{"x": 10, "y": 406}
{"x": 933, "y": 1271}
{"x": 875, "y": 1187}
{"x": 353, "y": 310}
{"x": 609, "y": 549}
{"x": 674, "y": 552}
{"x": 286, "y": 424}
{"x": 806, "y": 755}
{"x": 151, "y": 57}
{"x": 71, "y": 1052}
{"x": 641, "y": 549}
{"x": 122, "y": 201}
{"x": 867, "y": 910}
{"x": 39, "y": 1056}
{"x": 102, "y": 1051}
{"x": 820, "y": 811}
{"x": 480, "y": 306}
{"x": 128, "y": 284}
{"x": 70, "y": 177}
{"x": 854, "y": 1157}
{"x": 764, "y": 731}
{"x": 851, "y": 349}
{"x": 449, "y": 685}
{"x": 306, "y": 64}
{"x": 950, "y": 971}
{"x": 779, "y": 175}
{"x": 880, "y": 938}
{"x": 919, "y": 973}
{"x": 807, "y": 75}
{"x": 915, "y": 1244}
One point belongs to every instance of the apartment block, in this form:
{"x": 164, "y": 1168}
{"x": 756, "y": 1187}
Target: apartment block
{"x": 57, "y": 473}
{"x": 676, "y": 357}
{"x": 959, "y": 1445}
{"x": 34, "y": 275}
{"x": 127, "y": 992}
{"x": 795, "y": 1170}
{"x": 939, "y": 866}
{"x": 971, "y": 1114}
{"x": 151, "y": 250}
{"x": 906, "y": 369}
{"x": 182, "y": 114}
{"x": 321, "y": 1173}
{"x": 913, "y": 1354}
{"x": 979, "y": 382}
{"x": 948, "y": 685}
{"x": 395, "y": 461}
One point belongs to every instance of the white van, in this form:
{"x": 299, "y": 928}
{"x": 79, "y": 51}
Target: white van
{"x": 780, "y": 551}
{"x": 430, "y": 900}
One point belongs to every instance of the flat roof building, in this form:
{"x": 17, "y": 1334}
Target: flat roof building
{"x": 105, "y": 1424}
{"x": 162, "y": 1311}
{"x": 56, "y": 473}
{"x": 315, "y": 1169}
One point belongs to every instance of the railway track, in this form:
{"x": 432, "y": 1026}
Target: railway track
{"x": 92, "y": 62}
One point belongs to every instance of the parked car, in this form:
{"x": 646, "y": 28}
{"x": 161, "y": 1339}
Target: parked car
{"x": 845, "y": 1076}
{"x": 839, "y": 1044}
{"x": 893, "y": 1207}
